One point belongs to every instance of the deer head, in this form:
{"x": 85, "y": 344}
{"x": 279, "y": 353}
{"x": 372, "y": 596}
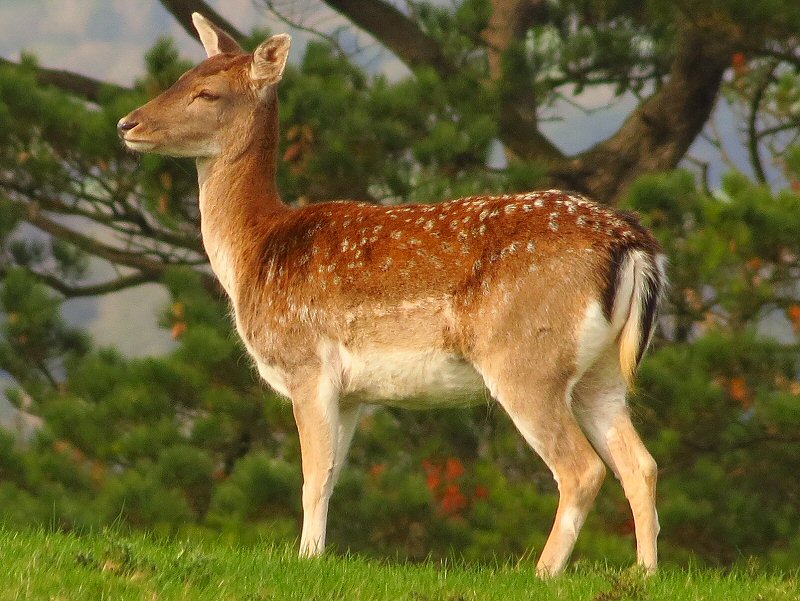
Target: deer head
{"x": 211, "y": 109}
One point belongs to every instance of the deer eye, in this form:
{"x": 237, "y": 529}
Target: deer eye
{"x": 207, "y": 95}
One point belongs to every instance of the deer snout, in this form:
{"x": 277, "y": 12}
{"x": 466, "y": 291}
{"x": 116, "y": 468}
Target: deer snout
{"x": 125, "y": 125}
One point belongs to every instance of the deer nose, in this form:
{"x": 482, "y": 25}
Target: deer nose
{"x": 124, "y": 126}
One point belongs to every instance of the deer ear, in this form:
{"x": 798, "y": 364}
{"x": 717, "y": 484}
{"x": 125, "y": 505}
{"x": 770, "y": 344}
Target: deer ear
{"x": 269, "y": 59}
{"x": 214, "y": 40}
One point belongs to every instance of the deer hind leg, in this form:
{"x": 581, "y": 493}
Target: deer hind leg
{"x": 600, "y": 406}
{"x": 540, "y": 411}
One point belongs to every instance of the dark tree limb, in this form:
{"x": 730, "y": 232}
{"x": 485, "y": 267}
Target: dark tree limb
{"x": 754, "y": 108}
{"x": 509, "y": 21}
{"x": 129, "y": 221}
{"x": 396, "y": 31}
{"x": 787, "y": 55}
{"x": 69, "y": 290}
{"x": 657, "y": 134}
{"x": 77, "y": 291}
{"x": 752, "y": 135}
{"x": 518, "y": 123}
{"x": 776, "y": 129}
{"x": 81, "y": 85}
{"x": 155, "y": 268}
{"x": 182, "y": 11}
{"x": 298, "y": 25}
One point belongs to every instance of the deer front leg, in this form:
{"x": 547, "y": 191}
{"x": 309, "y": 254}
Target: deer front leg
{"x": 316, "y": 412}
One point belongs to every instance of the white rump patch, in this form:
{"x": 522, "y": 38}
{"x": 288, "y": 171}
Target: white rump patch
{"x": 595, "y": 334}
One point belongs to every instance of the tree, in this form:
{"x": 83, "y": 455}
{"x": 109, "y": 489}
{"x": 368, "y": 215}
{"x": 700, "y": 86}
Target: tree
{"x": 190, "y": 440}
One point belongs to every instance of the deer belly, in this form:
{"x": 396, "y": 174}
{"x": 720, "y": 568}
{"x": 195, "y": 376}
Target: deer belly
{"x": 411, "y": 378}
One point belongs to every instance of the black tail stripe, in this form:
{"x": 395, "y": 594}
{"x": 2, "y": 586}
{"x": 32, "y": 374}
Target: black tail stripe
{"x": 648, "y": 313}
{"x": 612, "y": 279}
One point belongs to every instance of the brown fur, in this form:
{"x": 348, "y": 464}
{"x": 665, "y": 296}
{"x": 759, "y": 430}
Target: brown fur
{"x": 325, "y": 259}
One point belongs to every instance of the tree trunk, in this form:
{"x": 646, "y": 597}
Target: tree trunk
{"x": 658, "y": 132}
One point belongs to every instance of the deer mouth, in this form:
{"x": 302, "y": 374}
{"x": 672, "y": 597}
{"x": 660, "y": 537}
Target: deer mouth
{"x": 138, "y": 145}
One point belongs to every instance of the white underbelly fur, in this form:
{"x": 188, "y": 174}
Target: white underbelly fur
{"x": 415, "y": 379}
{"x": 409, "y": 378}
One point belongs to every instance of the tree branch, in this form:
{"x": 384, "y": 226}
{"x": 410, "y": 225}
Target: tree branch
{"x": 752, "y": 133}
{"x": 518, "y": 120}
{"x": 74, "y": 83}
{"x": 113, "y": 255}
{"x": 776, "y": 129}
{"x": 396, "y": 31}
{"x": 298, "y": 25}
{"x": 182, "y": 11}
{"x": 509, "y": 21}
{"x": 791, "y": 56}
{"x": 658, "y": 133}
{"x": 135, "y": 219}
{"x": 70, "y": 291}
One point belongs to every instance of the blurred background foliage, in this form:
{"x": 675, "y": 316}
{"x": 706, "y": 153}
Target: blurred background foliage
{"x": 190, "y": 441}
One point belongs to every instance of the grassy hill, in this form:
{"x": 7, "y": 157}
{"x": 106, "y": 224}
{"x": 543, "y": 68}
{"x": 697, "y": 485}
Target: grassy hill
{"x": 64, "y": 567}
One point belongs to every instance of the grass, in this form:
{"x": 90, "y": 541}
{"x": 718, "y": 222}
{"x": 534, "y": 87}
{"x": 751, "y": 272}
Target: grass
{"x": 40, "y": 565}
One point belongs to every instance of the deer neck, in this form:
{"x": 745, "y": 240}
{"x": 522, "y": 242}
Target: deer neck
{"x": 239, "y": 195}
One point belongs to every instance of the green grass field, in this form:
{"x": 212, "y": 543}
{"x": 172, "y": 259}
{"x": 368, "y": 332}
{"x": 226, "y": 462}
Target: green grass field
{"x": 64, "y": 567}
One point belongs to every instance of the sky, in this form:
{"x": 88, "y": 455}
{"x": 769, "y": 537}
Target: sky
{"x": 103, "y": 38}
{"x": 107, "y": 39}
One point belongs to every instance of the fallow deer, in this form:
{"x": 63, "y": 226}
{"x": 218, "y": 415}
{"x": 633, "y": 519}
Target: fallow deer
{"x": 545, "y": 299}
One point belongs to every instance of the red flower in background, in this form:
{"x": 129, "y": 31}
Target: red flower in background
{"x": 739, "y": 63}
{"x": 434, "y": 475}
{"x": 453, "y": 500}
{"x": 454, "y": 468}
{"x": 442, "y": 479}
